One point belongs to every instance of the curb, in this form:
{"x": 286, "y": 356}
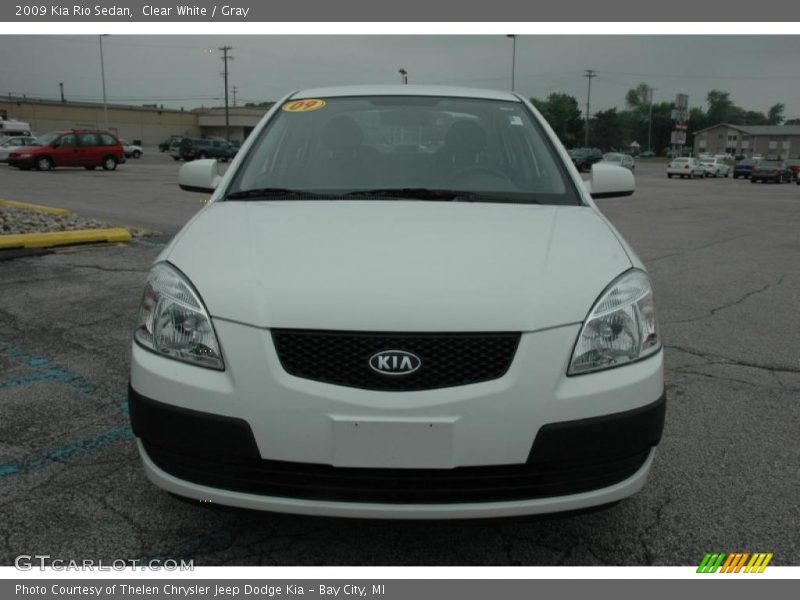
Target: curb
{"x": 64, "y": 238}
{"x": 48, "y": 210}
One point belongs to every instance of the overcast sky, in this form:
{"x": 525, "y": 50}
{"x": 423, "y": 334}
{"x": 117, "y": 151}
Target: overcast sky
{"x": 759, "y": 71}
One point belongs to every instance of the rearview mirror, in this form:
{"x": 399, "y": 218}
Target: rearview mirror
{"x": 199, "y": 176}
{"x": 609, "y": 181}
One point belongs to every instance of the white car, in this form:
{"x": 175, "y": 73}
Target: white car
{"x": 353, "y": 327}
{"x": 715, "y": 167}
{"x": 621, "y": 160}
{"x": 10, "y": 144}
{"x": 131, "y": 150}
{"x": 685, "y": 167}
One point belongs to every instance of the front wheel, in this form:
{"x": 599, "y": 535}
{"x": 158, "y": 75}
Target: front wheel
{"x": 109, "y": 163}
{"x": 136, "y": 154}
{"x": 44, "y": 164}
{"x": 669, "y": 175}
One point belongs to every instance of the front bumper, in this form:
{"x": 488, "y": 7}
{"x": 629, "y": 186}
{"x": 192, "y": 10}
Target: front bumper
{"x": 531, "y": 441}
{"x": 21, "y": 163}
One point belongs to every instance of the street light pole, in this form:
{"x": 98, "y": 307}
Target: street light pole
{"x": 590, "y": 73}
{"x": 513, "y": 57}
{"x": 103, "y": 77}
{"x": 403, "y": 75}
{"x": 650, "y": 121}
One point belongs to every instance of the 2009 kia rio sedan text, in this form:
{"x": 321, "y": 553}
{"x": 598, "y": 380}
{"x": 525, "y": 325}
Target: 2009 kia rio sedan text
{"x": 401, "y": 302}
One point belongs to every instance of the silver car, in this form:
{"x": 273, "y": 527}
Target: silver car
{"x": 620, "y": 160}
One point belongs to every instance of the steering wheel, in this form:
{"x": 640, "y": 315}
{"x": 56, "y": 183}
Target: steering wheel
{"x": 475, "y": 170}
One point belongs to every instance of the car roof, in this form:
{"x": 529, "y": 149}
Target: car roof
{"x": 404, "y": 90}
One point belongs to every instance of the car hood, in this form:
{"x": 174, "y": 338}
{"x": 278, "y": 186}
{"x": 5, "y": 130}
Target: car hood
{"x": 398, "y": 265}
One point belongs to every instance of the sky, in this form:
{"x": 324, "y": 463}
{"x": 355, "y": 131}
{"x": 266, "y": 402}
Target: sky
{"x": 185, "y": 71}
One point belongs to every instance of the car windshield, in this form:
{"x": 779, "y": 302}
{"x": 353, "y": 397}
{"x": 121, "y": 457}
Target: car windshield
{"x": 404, "y": 147}
{"x": 48, "y": 137}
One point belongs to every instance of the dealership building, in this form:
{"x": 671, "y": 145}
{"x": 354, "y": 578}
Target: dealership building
{"x": 149, "y": 124}
{"x": 779, "y": 140}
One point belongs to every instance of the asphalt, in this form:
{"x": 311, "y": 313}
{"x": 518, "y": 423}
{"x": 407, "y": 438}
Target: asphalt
{"x": 723, "y": 256}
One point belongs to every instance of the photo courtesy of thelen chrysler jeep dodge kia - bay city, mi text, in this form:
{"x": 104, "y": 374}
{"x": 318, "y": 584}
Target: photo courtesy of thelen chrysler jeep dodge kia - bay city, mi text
{"x": 400, "y": 302}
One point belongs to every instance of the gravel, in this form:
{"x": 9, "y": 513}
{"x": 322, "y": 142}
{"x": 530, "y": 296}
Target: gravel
{"x": 13, "y": 220}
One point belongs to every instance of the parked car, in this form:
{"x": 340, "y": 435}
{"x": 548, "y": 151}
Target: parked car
{"x": 353, "y": 331}
{"x": 744, "y": 168}
{"x": 12, "y": 143}
{"x": 771, "y": 170}
{"x": 74, "y": 148}
{"x": 621, "y": 160}
{"x": 175, "y": 148}
{"x": 584, "y": 158}
{"x": 685, "y": 166}
{"x": 794, "y": 166}
{"x": 165, "y": 145}
{"x": 647, "y": 154}
{"x": 131, "y": 150}
{"x": 715, "y": 167}
{"x": 194, "y": 148}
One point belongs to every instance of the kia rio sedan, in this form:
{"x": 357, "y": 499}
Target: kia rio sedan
{"x": 400, "y": 302}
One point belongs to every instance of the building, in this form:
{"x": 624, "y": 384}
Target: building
{"x": 779, "y": 140}
{"x": 149, "y": 124}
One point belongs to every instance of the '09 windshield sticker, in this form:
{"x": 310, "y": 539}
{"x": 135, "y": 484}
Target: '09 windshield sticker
{"x": 306, "y": 105}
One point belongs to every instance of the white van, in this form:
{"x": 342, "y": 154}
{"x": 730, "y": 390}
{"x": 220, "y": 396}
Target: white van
{"x": 10, "y": 128}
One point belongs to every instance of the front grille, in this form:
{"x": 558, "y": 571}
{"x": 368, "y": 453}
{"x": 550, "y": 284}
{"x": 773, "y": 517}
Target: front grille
{"x": 396, "y": 486}
{"x": 342, "y": 358}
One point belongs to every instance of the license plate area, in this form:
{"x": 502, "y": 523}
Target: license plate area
{"x": 382, "y": 443}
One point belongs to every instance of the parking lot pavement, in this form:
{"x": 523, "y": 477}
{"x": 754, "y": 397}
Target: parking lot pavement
{"x": 141, "y": 192}
{"x": 723, "y": 255}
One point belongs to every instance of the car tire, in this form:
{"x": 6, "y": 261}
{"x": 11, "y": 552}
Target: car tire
{"x": 176, "y": 158}
{"x": 136, "y": 154}
{"x": 669, "y": 175}
{"x": 44, "y": 163}
{"x": 753, "y": 180}
{"x": 109, "y": 163}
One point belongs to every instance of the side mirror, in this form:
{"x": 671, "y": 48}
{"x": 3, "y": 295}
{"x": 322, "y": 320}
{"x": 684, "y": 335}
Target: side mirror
{"x": 610, "y": 181}
{"x": 199, "y": 176}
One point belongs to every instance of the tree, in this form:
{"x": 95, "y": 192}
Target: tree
{"x": 792, "y": 122}
{"x": 605, "y": 130}
{"x": 775, "y": 114}
{"x": 720, "y": 107}
{"x": 564, "y": 115}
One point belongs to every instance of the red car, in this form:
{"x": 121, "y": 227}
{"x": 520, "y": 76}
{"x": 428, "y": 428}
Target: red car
{"x": 794, "y": 166}
{"x": 74, "y": 148}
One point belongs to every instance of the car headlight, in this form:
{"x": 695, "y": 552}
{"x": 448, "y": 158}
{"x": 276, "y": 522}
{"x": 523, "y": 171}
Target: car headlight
{"x": 174, "y": 322}
{"x": 620, "y": 328}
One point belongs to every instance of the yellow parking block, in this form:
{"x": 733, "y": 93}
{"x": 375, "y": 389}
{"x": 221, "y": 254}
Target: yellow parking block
{"x": 64, "y": 238}
{"x": 48, "y": 210}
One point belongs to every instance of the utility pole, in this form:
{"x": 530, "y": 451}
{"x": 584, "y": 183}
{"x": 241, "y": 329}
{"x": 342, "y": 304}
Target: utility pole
{"x": 235, "y": 89}
{"x": 513, "y": 57}
{"x": 650, "y": 119}
{"x": 103, "y": 77}
{"x": 61, "y": 87}
{"x": 225, "y": 59}
{"x": 589, "y": 74}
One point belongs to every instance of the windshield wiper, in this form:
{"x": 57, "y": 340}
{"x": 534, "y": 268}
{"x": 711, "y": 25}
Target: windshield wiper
{"x": 413, "y": 194}
{"x": 445, "y": 194}
{"x": 275, "y": 194}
